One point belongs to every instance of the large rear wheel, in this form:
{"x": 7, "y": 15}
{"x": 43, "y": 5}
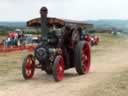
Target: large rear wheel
{"x": 82, "y": 57}
{"x": 58, "y": 68}
{"x": 28, "y": 67}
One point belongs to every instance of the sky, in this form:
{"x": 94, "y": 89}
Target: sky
{"x": 23, "y": 10}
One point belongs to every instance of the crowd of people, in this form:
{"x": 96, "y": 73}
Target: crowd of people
{"x": 13, "y": 38}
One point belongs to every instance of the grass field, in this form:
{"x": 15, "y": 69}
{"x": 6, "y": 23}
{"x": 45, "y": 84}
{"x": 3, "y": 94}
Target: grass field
{"x": 12, "y": 61}
{"x": 116, "y": 85}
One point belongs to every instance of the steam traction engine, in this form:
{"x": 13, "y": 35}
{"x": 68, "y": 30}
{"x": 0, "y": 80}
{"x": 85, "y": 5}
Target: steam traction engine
{"x": 61, "y": 48}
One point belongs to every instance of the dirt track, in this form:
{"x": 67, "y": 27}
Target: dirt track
{"x": 106, "y": 61}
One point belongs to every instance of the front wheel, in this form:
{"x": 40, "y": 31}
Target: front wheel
{"x": 28, "y": 67}
{"x": 58, "y": 68}
{"x": 82, "y": 57}
{"x": 48, "y": 69}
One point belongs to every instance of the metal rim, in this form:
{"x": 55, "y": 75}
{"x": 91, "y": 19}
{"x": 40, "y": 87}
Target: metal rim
{"x": 59, "y": 68}
{"x": 85, "y": 58}
{"x": 29, "y": 67}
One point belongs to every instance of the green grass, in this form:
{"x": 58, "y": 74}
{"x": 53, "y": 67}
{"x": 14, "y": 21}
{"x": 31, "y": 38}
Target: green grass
{"x": 3, "y": 33}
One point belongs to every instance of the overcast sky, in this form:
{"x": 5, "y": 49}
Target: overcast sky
{"x": 23, "y": 10}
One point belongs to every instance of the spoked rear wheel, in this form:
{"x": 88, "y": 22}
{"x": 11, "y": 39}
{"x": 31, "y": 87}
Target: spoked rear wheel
{"x": 58, "y": 68}
{"x": 82, "y": 57}
{"x": 28, "y": 67}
